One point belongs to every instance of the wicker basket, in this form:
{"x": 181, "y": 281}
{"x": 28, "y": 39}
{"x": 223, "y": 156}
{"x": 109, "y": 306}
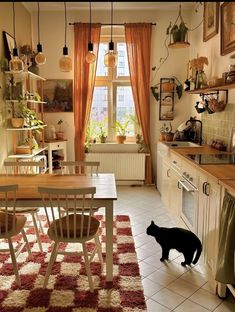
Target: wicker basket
{"x": 23, "y": 149}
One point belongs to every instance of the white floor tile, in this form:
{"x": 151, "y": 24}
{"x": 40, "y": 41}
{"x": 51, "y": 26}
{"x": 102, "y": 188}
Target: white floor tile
{"x": 150, "y": 287}
{"x": 188, "y": 305}
{"x": 194, "y": 277}
{"x": 162, "y": 278}
{"x": 153, "y": 306}
{"x": 206, "y": 299}
{"x": 183, "y": 288}
{"x": 168, "y": 298}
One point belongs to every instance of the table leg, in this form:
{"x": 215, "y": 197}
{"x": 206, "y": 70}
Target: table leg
{"x": 109, "y": 241}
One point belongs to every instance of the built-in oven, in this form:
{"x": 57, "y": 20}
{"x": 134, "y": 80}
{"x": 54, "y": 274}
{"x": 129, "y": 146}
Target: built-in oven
{"x": 188, "y": 211}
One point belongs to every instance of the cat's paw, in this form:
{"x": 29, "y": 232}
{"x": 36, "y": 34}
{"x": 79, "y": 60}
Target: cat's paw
{"x": 183, "y": 263}
{"x": 162, "y": 259}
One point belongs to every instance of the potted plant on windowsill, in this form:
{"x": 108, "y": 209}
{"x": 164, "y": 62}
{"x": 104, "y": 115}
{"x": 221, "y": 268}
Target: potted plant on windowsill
{"x": 121, "y": 130}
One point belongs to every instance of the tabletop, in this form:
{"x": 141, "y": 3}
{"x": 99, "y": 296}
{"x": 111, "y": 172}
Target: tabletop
{"x": 105, "y": 184}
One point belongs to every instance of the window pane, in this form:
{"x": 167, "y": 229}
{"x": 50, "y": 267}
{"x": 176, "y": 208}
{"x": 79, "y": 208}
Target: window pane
{"x": 122, "y": 65}
{"x": 99, "y": 110}
{"x": 125, "y": 106}
{"x": 101, "y": 69}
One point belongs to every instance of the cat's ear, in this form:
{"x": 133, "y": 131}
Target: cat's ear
{"x": 152, "y": 223}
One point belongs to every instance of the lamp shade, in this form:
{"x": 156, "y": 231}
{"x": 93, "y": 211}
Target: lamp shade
{"x": 16, "y": 65}
{"x": 90, "y": 56}
{"x": 40, "y": 58}
{"x": 65, "y": 62}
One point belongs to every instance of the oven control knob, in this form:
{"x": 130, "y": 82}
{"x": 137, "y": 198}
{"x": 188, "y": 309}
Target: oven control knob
{"x": 191, "y": 179}
{"x": 187, "y": 176}
{"x": 184, "y": 173}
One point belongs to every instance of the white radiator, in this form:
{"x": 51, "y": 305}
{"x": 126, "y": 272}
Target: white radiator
{"x": 125, "y": 166}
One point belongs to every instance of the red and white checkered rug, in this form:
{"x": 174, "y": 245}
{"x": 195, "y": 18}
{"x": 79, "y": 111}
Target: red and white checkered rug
{"x": 68, "y": 289}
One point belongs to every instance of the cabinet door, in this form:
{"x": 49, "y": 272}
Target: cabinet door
{"x": 166, "y": 172}
{"x": 175, "y": 193}
{"x": 212, "y": 223}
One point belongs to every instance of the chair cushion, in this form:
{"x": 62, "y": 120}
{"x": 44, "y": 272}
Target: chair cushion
{"x": 20, "y": 222}
{"x": 93, "y": 227}
{"x": 21, "y": 209}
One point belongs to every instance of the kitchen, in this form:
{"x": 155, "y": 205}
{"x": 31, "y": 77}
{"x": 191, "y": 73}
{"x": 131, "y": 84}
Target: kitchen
{"x": 216, "y": 126}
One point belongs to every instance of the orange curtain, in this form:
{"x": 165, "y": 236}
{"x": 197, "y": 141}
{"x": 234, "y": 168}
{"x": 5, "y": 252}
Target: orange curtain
{"x": 138, "y": 40}
{"x": 84, "y": 81}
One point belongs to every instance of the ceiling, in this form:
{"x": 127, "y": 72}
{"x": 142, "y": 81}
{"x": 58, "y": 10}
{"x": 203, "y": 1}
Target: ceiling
{"x": 75, "y": 6}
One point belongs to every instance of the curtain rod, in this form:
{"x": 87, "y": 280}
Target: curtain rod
{"x": 153, "y": 24}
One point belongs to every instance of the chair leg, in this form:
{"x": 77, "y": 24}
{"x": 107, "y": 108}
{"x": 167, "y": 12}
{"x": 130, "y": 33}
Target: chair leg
{"x": 40, "y": 223}
{"x": 27, "y": 244}
{"x": 14, "y": 263}
{"x": 50, "y": 264}
{"x": 99, "y": 249}
{"x": 88, "y": 268}
{"x": 36, "y": 231}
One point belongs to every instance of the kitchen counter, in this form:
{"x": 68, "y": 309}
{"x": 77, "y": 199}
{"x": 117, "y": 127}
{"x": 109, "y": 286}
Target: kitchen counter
{"x": 225, "y": 174}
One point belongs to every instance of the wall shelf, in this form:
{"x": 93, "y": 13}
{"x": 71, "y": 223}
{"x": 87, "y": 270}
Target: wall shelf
{"x": 224, "y": 87}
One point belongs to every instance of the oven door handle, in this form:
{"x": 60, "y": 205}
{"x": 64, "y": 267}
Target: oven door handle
{"x": 187, "y": 186}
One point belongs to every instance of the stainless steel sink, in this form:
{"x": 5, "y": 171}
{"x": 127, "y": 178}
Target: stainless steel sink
{"x": 181, "y": 144}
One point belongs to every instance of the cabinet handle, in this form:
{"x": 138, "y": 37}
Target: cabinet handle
{"x": 179, "y": 185}
{"x": 58, "y": 146}
{"x": 167, "y": 173}
{"x": 207, "y": 184}
{"x": 203, "y": 187}
{"x": 174, "y": 162}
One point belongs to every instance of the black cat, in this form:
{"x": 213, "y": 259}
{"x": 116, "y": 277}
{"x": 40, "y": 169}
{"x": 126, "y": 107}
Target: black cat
{"x": 176, "y": 238}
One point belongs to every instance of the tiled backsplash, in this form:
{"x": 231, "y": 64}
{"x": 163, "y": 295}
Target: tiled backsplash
{"x": 218, "y": 126}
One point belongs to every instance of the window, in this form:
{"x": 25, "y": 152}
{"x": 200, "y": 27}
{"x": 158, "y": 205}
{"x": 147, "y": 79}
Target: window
{"x": 112, "y": 98}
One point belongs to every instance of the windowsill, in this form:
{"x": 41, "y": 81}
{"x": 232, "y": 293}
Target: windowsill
{"x": 112, "y": 147}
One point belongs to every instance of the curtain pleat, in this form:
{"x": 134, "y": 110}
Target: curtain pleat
{"x": 84, "y": 81}
{"x": 138, "y": 41}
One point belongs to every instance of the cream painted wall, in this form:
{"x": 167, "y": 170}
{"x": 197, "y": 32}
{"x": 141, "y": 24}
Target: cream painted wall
{"x": 23, "y": 36}
{"x": 52, "y": 38}
{"x": 217, "y": 125}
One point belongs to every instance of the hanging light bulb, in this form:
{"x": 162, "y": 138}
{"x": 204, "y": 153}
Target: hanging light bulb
{"x": 90, "y": 56}
{"x": 40, "y": 58}
{"x": 65, "y": 62}
{"x": 16, "y": 65}
{"x": 110, "y": 58}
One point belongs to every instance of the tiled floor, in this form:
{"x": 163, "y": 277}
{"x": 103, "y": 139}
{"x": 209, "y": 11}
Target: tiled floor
{"x": 167, "y": 286}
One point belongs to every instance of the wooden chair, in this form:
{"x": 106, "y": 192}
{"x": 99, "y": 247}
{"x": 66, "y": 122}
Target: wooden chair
{"x": 72, "y": 227}
{"x": 27, "y": 167}
{"x": 11, "y": 224}
{"x": 80, "y": 167}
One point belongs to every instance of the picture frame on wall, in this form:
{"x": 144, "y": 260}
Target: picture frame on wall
{"x": 58, "y": 93}
{"x": 227, "y": 37}
{"x": 210, "y": 20}
{"x": 9, "y": 43}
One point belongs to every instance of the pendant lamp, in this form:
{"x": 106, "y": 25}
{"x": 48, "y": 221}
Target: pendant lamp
{"x": 110, "y": 58}
{"x": 65, "y": 62}
{"x": 90, "y": 56}
{"x": 40, "y": 58}
{"x": 16, "y": 65}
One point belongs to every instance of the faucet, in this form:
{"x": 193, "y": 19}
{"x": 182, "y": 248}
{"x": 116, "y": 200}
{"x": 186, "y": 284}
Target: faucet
{"x": 192, "y": 120}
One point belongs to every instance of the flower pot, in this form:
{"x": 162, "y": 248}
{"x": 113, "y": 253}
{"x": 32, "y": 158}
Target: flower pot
{"x": 59, "y": 135}
{"x": 121, "y": 139}
{"x": 162, "y": 136}
{"x": 103, "y": 139}
{"x": 17, "y": 122}
{"x": 169, "y": 136}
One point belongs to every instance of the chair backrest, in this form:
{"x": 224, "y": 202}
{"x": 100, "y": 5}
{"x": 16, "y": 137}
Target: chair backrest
{"x": 7, "y": 214}
{"x": 80, "y": 167}
{"x": 61, "y": 208}
{"x": 24, "y": 167}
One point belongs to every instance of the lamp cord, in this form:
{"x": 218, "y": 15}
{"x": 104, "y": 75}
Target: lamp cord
{"x": 65, "y": 24}
{"x": 90, "y": 25}
{"x": 111, "y": 20}
{"x": 14, "y": 28}
{"x": 38, "y": 25}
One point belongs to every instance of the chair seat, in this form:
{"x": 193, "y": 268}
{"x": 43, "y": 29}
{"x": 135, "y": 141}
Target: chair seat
{"x": 63, "y": 233}
{"x": 22, "y": 209}
{"x": 19, "y": 224}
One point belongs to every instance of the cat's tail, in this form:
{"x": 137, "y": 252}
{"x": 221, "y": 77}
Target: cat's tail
{"x": 198, "y": 254}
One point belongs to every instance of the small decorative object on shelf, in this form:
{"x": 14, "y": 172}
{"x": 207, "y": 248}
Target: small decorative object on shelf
{"x": 198, "y": 74}
{"x": 60, "y": 133}
{"x": 166, "y": 105}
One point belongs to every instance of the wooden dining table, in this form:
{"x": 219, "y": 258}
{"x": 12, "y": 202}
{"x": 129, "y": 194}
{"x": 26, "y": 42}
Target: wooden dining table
{"x": 28, "y": 196}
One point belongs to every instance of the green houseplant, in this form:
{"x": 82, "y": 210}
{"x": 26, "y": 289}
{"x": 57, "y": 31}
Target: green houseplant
{"x": 121, "y": 130}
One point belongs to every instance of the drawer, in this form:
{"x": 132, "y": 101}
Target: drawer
{"x": 56, "y": 145}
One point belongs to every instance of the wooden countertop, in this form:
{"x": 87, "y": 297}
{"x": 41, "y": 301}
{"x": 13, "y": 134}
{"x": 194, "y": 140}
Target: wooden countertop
{"x": 224, "y": 174}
